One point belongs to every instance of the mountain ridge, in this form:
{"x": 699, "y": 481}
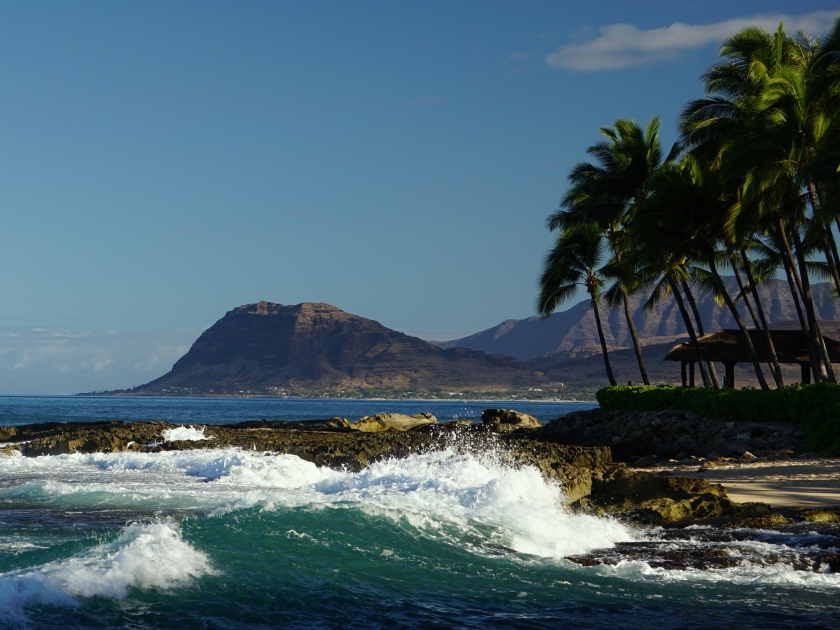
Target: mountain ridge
{"x": 533, "y": 337}
{"x": 265, "y": 347}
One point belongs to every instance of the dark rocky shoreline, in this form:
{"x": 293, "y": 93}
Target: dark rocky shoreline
{"x": 655, "y": 436}
{"x": 577, "y": 451}
{"x": 592, "y": 481}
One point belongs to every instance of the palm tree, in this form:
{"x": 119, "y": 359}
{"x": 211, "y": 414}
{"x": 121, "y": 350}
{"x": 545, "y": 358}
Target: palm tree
{"x": 762, "y": 121}
{"x": 694, "y": 271}
{"x": 689, "y": 209}
{"x": 575, "y": 261}
{"x": 608, "y": 193}
{"x": 761, "y": 323}
{"x": 665, "y": 269}
{"x": 770, "y": 258}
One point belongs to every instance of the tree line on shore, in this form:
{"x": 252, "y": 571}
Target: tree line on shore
{"x": 752, "y": 186}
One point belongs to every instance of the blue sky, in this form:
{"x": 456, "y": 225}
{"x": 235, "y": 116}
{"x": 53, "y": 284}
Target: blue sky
{"x": 163, "y": 163}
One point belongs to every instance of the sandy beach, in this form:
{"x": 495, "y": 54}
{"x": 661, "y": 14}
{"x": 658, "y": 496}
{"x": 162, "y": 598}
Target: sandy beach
{"x": 807, "y": 482}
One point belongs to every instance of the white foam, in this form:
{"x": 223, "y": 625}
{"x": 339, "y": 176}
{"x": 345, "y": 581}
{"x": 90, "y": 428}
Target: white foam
{"x": 144, "y": 556}
{"x": 459, "y": 498}
{"x": 745, "y": 573}
{"x": 456, "y": 496}
{"x": 191, "y": 434}
{"x": 466, "y": 500}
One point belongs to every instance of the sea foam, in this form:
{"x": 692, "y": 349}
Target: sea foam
{"x": 451, "y": 495}
{"x": 144, "y": 556}
{"x": 444, "y": 494}
{"x": 467, "y": 500}
{"x": 191, "y": 434}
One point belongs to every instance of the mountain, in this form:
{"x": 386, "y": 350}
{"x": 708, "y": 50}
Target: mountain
{"x": 264, "y": 347}
{"x": 573, "y": 330}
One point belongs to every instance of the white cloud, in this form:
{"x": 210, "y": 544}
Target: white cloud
{"x": 625, "y": 45}
{"x": 56, "y": 361}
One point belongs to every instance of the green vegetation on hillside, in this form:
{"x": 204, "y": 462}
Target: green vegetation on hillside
{"x": 815, "y": 408}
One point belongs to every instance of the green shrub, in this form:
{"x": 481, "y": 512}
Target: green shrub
{"x": 815, "y": 408}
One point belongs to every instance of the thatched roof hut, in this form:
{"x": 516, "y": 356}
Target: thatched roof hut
{"x": 728, "y": 347}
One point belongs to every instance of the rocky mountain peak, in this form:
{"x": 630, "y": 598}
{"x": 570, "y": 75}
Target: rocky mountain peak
{"x": 315, "y": 346}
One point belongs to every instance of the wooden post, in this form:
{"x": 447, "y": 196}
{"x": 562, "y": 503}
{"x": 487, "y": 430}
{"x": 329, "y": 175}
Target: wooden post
{"x": 682, "y": 373}
{"x": 729, "y": 375}
{"x": 691, "y": 373}
{"x": 806, "y": 373}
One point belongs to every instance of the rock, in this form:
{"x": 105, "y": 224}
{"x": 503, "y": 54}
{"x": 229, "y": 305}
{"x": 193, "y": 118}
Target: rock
{"x": 391, "y": 421}
{"x": 747, "y": 456}
{"x": 649, "y": 498}
{"x": 690, "y": 461}
{"x": 829, "y": 561}
{"x": 670, "y": 433}
{"x": 646, "y": 461}
{"x": 509, "y": 420}
{"x": 338, "y": 422}
{"x": 646, "y": 485}
{"x": 759, "y": 522}
{"x": 587, "y": 475}
{"x": 821, "y": 516}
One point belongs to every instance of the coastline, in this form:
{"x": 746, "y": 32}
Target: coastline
{"x": 723, "y": 490}
{"x": 801, "y": 482}
{"x": 271, "y": 397}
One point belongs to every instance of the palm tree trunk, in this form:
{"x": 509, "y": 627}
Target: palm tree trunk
{"x": 794, "y": 291}
{"x": 817, "y": 365}
{"x": 696, "y": 312}
{"x": 636, "y": 345}
{"x": 826, "y": 372}
{"x": 690, "y": 328}
{"x": 603, "y": 342}
{"x": 776, "y": 368}
{"x": 815, "y": 207}
{"x": 837, "y": 223}
{"x": 829, "y": 258}
{"x": 832, "y": 245}
{"x": 737, "y": 316}
{"x": 740, "y": 282}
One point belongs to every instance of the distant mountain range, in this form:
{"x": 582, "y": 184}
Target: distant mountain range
{"x": 572, "y": 335}
{"x": 266, "y": 347}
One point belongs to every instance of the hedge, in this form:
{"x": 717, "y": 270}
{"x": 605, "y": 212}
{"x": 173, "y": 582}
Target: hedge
{"x": 815, "y": 408}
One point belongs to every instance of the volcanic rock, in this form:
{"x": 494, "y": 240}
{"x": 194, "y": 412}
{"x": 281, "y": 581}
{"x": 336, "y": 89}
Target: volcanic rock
{"x": 391, "y": 421}
{"x": 509, "y": 420}
{"x": 645, "y": 437}
{"x": 589, "y": 478}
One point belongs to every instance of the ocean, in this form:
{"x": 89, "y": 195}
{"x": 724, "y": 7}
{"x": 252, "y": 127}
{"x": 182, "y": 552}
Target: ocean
{"x": 242, "y": 539}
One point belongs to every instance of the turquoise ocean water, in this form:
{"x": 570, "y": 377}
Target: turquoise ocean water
{"x": 240, "y": 539}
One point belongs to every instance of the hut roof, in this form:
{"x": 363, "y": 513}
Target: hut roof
{"x": 729, "y": 345}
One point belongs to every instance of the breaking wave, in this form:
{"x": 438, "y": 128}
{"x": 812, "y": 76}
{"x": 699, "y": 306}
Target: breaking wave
{"x": 143, "y": 556}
